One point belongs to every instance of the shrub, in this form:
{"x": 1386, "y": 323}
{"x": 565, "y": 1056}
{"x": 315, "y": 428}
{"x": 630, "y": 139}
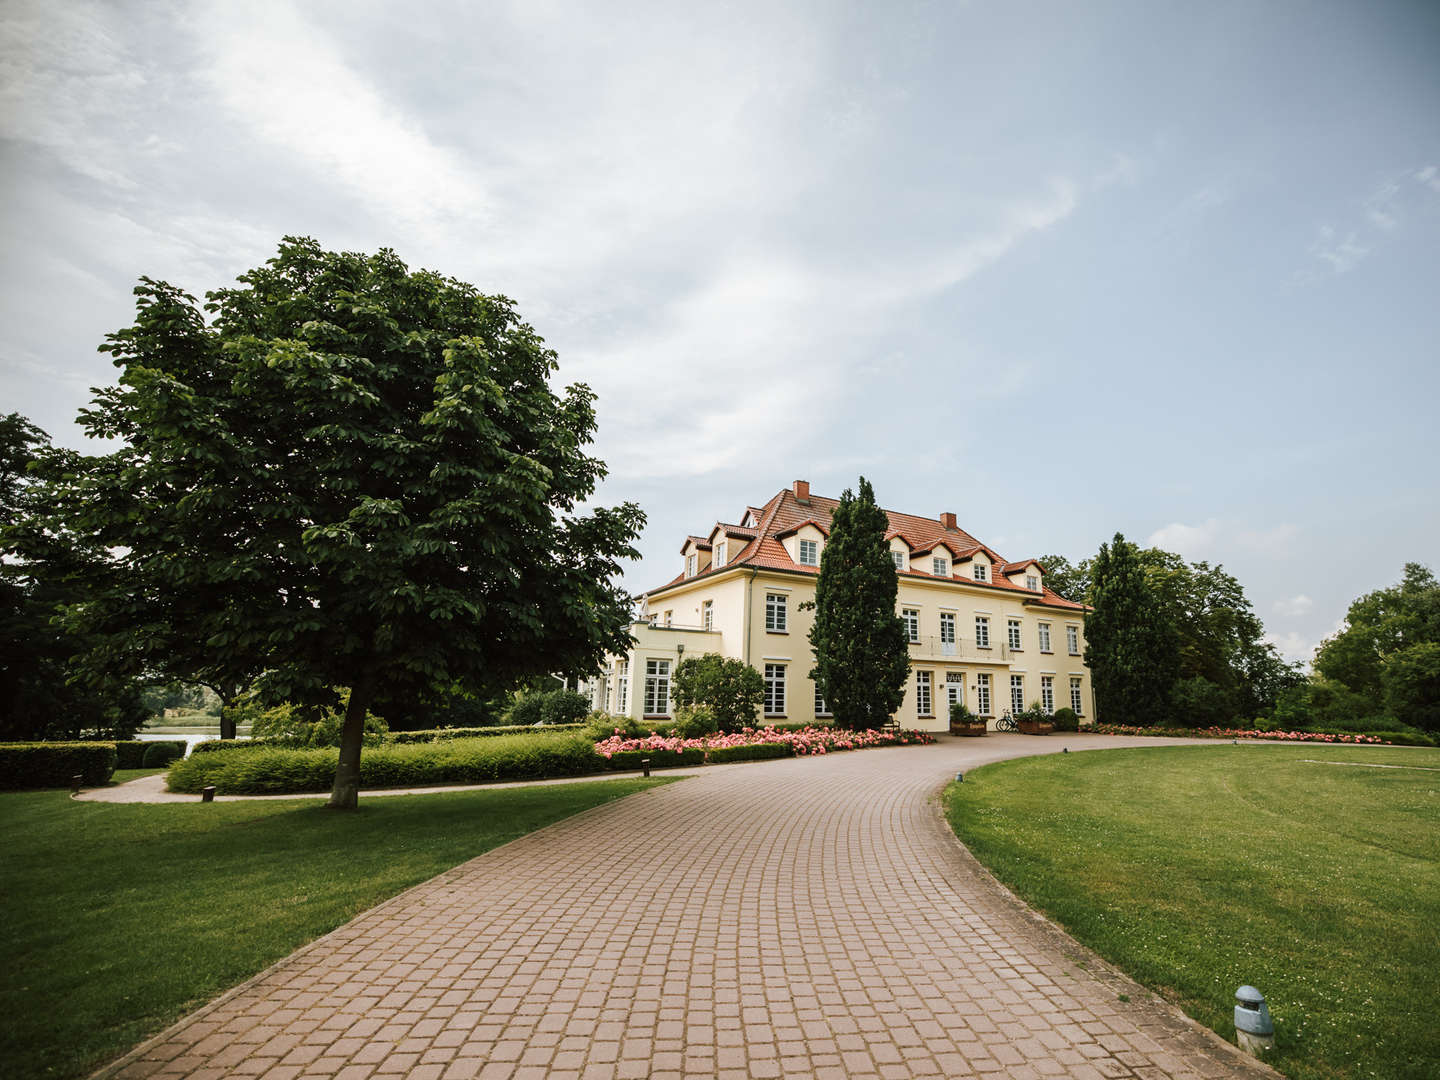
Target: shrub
{"x": 1319, "y": 703}
{"x": 310, "y": 726}
{"x": 564, "y": 707}
{"x": 44, "y": 765}
{"x": 960, "y": 714}
{"x": 527, "y": 711}
{"x": 404, "y": 738}
{"x": 731, "y": 689}
{"x": 1198, "y": 702}
{"x": 161, "y": 753}
{"x": 754, "y": 752}
{"x": 695, "y": 722}
{"x": 1065, "y": 720}
{"x": 130, "y": 754}
{"x": 659, "y": 759}
{"x": 1411, "y": 682}
{"x": 267, "y": 771}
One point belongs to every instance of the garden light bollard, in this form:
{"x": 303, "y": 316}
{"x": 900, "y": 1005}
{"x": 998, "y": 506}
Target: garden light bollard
{"x": 1254, "y": 1030}
{"x": 645, "y": 764}
{"x": 75, "y": 783}
{"x": 207, "y": 794}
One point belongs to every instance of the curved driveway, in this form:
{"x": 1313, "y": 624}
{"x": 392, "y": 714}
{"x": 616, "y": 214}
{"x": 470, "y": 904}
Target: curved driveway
{"x": 796, "y": 918}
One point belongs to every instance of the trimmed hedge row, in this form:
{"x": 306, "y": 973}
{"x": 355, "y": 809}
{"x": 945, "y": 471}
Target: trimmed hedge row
{"x": 267, "y": 771}
{"x": 402, "y": 738}
{"x": 130, "y": 754}
{"x": 628, "y": 760}
{"x": 147, "y": 753}
{"x": 52, "y": 764}
{"x": 755, "y": 752}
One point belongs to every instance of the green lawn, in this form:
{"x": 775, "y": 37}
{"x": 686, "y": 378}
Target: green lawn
{"x": 118, "y": 919}
{"x": 1199, "y": 869}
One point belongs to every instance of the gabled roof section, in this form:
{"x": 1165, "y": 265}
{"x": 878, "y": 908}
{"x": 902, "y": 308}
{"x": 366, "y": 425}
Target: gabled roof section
{"x": 824, "y": 528}
{"x": 1016, "y": 567}
{"x": 783, "y": 514}
{"x": 700, "y": 542}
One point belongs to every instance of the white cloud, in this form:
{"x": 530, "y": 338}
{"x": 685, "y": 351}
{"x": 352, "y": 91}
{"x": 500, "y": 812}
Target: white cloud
{"x": 1192, "y": 541}
{"x": 1293, "y": 646}
{"x": 1216, "y": 540}
{"x": 1430, "y": 177}
{"x": 1294, "y": 606}
{"x": 1341, "y": 254}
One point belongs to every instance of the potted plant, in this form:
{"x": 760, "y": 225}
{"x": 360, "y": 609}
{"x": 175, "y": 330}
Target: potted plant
{"x": 964, "y": 722}
{"x": 1034, "y": 721}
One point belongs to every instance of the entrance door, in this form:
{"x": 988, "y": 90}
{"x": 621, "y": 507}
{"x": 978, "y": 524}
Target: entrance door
{"x": 954, "y": 689}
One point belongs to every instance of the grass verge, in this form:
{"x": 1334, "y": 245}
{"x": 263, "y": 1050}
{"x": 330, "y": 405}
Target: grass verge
{"x": 1199, "y": 869}
{"x": 120, "y": 918}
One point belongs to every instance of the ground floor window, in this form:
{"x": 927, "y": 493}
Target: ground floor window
{"x": 982, "y": 694}
{"x": 622, "y": 686}
{"x": 1017, "y": 693}
{"x": 1047, "y": 693}
{"x": 821, "y": 708}
{"x": 923, "y": 706}
{"x": 1075, "y": 698}
{"x": 774, "y": 689}
{"x": 657, "y": 687}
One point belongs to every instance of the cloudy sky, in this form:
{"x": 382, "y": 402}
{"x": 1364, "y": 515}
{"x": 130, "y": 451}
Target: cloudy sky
{"x": 1064, "y": 269}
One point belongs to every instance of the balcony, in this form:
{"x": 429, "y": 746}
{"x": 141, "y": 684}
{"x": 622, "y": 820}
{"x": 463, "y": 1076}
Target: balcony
{"x": 930, "y": 647}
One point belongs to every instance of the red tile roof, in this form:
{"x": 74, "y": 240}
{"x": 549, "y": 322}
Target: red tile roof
{"x": 783, "y": 514}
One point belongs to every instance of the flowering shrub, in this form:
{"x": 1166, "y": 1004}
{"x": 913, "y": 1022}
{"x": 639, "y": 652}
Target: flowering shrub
{"x": 803, "y": 742}
{"x": 1233, "y": 733}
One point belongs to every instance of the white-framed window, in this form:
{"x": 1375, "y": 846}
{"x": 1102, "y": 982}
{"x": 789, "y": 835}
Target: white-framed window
{"x": 911, "y": 616}
{"x": 922, "y": 694}
{"x": 719, "y": 558}
{"x": 982, "y": 632}
{"x": 774, "y": 689}
{"x": 1075, "y": 698}
{"x": 809, "y": 553}
{"x": 947, "y": 628}
{"x": 1012, "y": 632}
{"x": 622, "y": 686}
{"x": 775, "y": 612}
{"x": 657, "y": 687}
{"x": 982, "y": 573}
{"x": 1072, "y": 640}
{"x": 1017, "y": 693}
{"x": 940, "y": 566}
{"x": 691, "y": 562}
{"x": 707, "y": 615}
{"x": 982, "y": 694}
{"x": 601, "y": 698}
{"x": 1044, "y": 637}
{"x": 1047, "y": 693}
{"x": 898, "y": 557}
{"x": 1032, "y": 583}
{"x": 669, "y": 617}
{"x": 821, "y": 709}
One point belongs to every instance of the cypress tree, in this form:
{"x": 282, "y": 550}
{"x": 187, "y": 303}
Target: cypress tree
{"x": 861, "y": 654}
{"x": 1131, "y": 646}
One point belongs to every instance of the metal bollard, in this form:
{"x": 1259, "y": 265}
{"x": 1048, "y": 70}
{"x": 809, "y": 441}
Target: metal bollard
{"x": 645, "y": 764}
{"x": 76, "y": 783}
{"x": 1254, "y": 1030}
{"x": 207, "y": 794}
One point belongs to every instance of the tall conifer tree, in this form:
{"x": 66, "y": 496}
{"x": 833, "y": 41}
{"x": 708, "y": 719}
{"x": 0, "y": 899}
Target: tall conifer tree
{"x": 1131, "y": 646}
{"x": 861, "y": 655}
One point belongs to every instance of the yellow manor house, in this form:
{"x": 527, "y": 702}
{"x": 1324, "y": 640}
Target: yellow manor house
{"x": 983, "y": 631}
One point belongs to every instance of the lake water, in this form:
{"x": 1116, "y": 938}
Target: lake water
{"x": 189, "y": 739}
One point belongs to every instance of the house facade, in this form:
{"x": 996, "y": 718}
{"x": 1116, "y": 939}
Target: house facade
{"x": 983, "y": 630}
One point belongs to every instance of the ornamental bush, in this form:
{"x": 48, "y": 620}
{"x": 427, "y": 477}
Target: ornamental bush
{"x": 130, "y": 753}
{"x": 52, "y": 764}
{"x": 161, "y": 753}
{"x": 695, "y": 722}
{"x": 267, "y": 771}
{"x": 1065, "y": 720}
{"x": 754, "y": 752}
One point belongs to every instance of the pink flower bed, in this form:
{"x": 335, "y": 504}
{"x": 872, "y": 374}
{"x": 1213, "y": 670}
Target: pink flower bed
{"x": 1233, "y": 733}
{"x": 810, "y": 740}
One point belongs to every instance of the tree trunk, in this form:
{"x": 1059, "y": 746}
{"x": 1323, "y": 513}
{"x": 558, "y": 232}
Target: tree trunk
{"x": 345, "y": 795}
{"x": 227, "y": 718}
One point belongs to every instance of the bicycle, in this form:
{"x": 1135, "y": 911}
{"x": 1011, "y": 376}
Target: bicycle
{"x": 1006, "y": 722}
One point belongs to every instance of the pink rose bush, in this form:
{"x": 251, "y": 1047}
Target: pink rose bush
{"x": 804, "y": 742}
{"x": 1233, "y": 733}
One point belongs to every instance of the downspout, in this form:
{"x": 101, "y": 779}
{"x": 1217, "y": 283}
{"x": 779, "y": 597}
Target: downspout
{"x": 749, "y": 596}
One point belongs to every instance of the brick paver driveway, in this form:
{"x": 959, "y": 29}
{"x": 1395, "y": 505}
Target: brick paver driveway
{"x": 806, "y": 917}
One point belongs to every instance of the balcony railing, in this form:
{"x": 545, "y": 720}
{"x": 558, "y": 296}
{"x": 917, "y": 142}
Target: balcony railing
{"x": 930, "y": 646}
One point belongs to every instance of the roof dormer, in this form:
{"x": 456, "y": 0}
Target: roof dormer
{"x": 1027, "y": 574}
{"x": 804, "y": 542}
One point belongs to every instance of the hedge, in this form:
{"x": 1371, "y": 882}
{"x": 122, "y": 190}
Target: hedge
{"x": 52, "y": 764}
{"x": 659, "y": 759}
{"x": 402, "y": 738}
{"x": 268, "y": 771}
{"x": 754, "y": 752}
{"x": 130, "y": 754}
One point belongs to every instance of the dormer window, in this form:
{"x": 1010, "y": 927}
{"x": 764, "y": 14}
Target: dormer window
{"x": 1032, "y": 583}
{"x": 940, "y": 567}
{"x": 719, "y": 559}
{"x": 692, "y": 561}
{"x": 982, "y": 573}
{"x": 899, "y": 557}
{"x": 809, "y": 553}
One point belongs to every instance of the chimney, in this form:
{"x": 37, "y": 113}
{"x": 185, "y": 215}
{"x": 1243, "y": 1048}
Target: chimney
{"x": 947, "y": 521}
{"x": 802, "y": 491}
